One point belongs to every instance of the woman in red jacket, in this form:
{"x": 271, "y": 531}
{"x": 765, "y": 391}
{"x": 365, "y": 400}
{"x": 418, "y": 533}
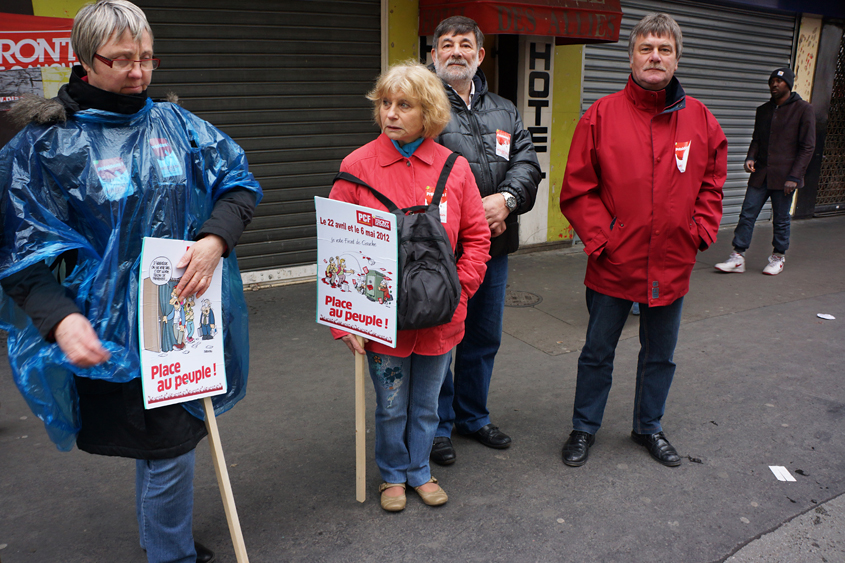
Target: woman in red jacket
{"x": 404, "y": 163}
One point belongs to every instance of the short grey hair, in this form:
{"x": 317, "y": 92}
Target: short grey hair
{"x": 659, "y": 25}
{"x": 97, "y": 22}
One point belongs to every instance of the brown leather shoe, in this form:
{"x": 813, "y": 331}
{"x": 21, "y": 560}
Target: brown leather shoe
{"x": 434, "y": 498}
{"x": 392, "y": 504}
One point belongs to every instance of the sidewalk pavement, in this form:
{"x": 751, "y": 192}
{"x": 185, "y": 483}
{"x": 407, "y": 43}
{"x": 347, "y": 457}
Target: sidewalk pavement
{"x": 758, "y": 384}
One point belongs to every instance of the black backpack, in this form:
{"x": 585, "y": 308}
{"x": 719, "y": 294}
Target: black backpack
{"x": 429, "y": 290}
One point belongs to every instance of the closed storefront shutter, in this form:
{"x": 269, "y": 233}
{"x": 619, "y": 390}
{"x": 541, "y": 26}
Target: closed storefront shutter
{"x": 728, "y": 55}
{"x": 286, "y": 80}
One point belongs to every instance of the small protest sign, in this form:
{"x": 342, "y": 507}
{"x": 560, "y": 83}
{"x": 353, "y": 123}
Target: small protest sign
{"x": 357, "y": 257}
{"x": 181, "y": 340}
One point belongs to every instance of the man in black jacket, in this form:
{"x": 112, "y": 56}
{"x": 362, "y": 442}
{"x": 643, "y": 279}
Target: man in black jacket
{"x": 782, "y": 145}
{"x": 487, "y": 130}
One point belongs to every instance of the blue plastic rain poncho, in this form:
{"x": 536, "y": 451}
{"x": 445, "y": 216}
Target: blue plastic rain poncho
{"x": 99, "y": 183}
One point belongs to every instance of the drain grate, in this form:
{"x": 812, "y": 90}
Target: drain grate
{"x": 521, "y": 299}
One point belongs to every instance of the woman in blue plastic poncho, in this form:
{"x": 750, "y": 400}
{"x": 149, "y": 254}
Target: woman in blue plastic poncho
{"x": 96, "y": 169}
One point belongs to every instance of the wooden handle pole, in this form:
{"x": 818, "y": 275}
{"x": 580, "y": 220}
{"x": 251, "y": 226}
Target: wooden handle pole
{"x": 360, "y": 427}
{"x": 223, "y": 480}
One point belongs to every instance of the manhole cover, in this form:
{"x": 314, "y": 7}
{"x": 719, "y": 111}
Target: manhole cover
{"x": 521, "y": 299}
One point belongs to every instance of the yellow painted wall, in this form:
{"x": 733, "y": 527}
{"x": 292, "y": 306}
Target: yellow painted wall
{"x": 57, "y": 8}
{"x": 566, "y": 111}
{"x": 403, "y": 30}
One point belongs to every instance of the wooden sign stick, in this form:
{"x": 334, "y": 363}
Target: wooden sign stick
{"x": 223, "y": 481}
{"x": 360, "y": 427}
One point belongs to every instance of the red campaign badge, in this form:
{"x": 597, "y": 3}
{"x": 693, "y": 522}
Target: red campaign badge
{"x": 444, "y": 208}
{"x": 503, "y": 144}
{"x": 682, "y": 154}
{"x": 114, "y": 178}
{"x": 160, "y": 147}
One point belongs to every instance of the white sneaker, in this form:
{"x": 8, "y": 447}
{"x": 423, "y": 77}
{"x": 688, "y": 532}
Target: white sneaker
{"x": 775, "y": 265}
{"x": 734, "y": 263}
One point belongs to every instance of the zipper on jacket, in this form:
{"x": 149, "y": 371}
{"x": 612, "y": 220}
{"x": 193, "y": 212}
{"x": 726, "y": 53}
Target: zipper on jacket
{"x": 476, "y": 134}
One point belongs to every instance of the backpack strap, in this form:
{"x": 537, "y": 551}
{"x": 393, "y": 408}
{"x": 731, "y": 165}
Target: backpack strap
{"x": 444, "y": 176}
{"x": 379, "y": 196}
{"x": 392, "y": 207}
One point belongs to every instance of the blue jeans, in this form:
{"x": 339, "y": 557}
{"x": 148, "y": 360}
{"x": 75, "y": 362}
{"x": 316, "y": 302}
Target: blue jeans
{"x": 751, "y": 207}
{"x": 406, "y": 413}
{"x": 164, "y": 503}
{"x": 463, "y": 399}
{"x": 655, "y": 369}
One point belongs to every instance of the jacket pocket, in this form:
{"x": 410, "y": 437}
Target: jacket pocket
{"x": 614, "y": 241}
{"x": 693, "y": 231}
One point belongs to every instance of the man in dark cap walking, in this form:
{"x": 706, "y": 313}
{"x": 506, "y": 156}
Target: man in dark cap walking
{"x": 781, "y": 148}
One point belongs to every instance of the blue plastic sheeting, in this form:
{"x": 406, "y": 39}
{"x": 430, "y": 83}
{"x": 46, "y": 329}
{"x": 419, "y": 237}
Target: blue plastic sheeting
{"x": 99, "y": 183}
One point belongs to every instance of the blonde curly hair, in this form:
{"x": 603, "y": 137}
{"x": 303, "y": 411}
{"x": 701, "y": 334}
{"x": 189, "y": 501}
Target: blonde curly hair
{"x": 421, "y": 86}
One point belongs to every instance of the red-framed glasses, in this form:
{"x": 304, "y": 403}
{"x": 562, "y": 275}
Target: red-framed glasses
{"x": 125, "y": 64}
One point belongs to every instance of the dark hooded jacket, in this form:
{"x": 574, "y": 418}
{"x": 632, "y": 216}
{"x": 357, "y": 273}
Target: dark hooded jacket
{"x": 783, "y": 142}
{"x": 472, "y": 133}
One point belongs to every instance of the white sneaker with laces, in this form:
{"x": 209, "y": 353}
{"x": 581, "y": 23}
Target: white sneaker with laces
{"x": 734, "y": 263}
{"x": 775, "y": 265}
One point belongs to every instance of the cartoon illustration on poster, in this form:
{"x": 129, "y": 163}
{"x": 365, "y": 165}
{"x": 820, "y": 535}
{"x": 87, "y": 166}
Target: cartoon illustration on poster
{"x": 181, "y": 347}
{"x": 356, "y": 264}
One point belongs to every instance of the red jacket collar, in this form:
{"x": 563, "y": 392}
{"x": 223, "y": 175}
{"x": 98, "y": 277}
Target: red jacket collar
{"x": 387, "y": 153}
{"x": 669, "y": 99}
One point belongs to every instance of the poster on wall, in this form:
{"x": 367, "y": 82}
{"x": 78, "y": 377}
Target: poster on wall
{"x": 181, "y": 339}
{"x": 35, "y": 56}
{"x": 357, "y": 257}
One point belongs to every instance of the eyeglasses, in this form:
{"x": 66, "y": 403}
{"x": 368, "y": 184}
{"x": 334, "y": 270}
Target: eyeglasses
{"x": 125, "y": 64}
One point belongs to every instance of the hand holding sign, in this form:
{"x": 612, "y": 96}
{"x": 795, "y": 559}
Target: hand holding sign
{"x": 200, "y": 260}
{"x": 354, "y": 345}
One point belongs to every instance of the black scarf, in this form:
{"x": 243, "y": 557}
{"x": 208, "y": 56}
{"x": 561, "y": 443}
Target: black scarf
{"x": 78, "y": 95}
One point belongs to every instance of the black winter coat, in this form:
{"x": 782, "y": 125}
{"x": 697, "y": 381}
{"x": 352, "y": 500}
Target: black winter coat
{"x": 783, "y": 142}
{"x": 472, "y": 134}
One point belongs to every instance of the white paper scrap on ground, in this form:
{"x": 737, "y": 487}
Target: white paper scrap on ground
{"x": 826, "y": 316}
{"x": 782, "y": 473}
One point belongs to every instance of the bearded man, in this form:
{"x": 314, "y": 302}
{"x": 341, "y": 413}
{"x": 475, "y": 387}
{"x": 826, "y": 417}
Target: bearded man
{"x": 486, "y": 130}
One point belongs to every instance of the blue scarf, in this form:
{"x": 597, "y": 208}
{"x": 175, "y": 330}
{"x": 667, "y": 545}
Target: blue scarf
{"x": 409, "y": 148}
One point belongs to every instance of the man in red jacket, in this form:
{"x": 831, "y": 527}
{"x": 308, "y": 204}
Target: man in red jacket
{"x": 782, "y": 145}
{"x": 643, "y": 190}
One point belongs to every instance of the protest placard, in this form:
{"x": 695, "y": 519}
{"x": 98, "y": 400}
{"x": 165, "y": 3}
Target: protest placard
{"x": 357, "y": 257}
{"x": 182, "y": 356}
{"x": 357, "y": 261}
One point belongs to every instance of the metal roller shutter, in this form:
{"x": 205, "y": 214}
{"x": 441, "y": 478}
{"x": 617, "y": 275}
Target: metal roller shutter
{"x": 286, "y": 80}
{"x": 727, "y": 58}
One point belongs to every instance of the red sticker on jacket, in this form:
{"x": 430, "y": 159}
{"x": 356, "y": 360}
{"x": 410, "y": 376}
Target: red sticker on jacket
{"x": 682, "y": 155}
{"x": 503, "y": 144}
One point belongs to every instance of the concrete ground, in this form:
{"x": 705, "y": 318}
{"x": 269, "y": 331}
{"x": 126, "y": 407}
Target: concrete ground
{"x": 759, "y": 383}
